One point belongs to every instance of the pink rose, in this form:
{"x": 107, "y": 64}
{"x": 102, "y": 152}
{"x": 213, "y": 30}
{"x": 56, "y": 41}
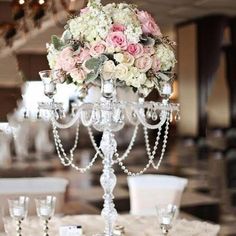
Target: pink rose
{"x": 66, "y": 60}
{"x": 97, "y": 49}
{"x": 135, "y": 50}
{"x": 117, "y": 39}
{"x": 148, "y": 24}
{"x": 144, "y": 63}
{"x": 83, "y": 55}
{"x": 149, "y": 50}
{"x": 156, "y": 65}
{"x": 78, "y": 75}
{"x": 117, "y": 27}
{"x": 84, "y": 10}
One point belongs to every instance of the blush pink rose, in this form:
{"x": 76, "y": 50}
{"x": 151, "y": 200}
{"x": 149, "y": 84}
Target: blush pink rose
{"x": 97, "y": 49}
{"x": 83, "y": 55}
{"x": 135, "y": 50}
{"x": 156, "y": 64}
{"x": 117, "y": 39}
{"x": 148, "y": 24}
{"x": 65, "y": 60}
{"x": 149, "y": 50}
{"x": 78, "y": 75}
{"x": 84, "y": 10}
{"x": 117, "y": 27}
{"x": 144, "y": 63}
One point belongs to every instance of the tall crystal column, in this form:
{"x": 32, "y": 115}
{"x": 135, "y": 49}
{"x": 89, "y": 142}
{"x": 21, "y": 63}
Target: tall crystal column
{"x": 108, "y": 181}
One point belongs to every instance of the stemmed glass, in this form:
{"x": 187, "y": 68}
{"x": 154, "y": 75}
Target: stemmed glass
{"x": 166, "y": 215}
{"x": 49, "y": 83}
{"x": 18, "y": 209}
{"x": 45, "y": 210}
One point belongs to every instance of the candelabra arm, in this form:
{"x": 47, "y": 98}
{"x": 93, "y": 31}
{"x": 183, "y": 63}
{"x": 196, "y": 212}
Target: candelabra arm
{"x": 79, "y": 114}
{"x": 141, "y": 117}
{"x": 108, "y": 181}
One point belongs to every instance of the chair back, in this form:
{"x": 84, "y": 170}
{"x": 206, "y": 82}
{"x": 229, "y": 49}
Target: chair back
{"x": 147, "y": 191}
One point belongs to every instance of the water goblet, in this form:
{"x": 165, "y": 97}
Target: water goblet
{"x": 18, "y": 209}
{"x": 49, "y": 83}
{"x": 166, "y": 215}
{"x": 45, "y": 210}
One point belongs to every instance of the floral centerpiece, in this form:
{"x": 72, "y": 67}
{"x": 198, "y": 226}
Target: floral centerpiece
{"x": 115, "y": 41}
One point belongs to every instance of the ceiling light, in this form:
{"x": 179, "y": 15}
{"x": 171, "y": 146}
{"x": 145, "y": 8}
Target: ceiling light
{"x": 41, "y": 2}
{"x": 21, "y": 2}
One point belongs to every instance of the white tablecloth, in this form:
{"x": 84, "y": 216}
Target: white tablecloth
{"x": 134, "y": 226}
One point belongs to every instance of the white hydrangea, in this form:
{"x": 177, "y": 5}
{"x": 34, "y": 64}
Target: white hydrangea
{"x": 52, "y": 55}
{"x": 166, "y": 57}
{"x": 135, "y": 78}
{"x": 133, "y": 33}
{"x": 91, "y": 26}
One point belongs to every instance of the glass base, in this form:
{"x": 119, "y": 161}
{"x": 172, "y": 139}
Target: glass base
{"x": 102, "y": 234}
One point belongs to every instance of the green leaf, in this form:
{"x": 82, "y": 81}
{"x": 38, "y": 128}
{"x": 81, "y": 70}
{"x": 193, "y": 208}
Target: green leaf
{"x": 91, "y": 77}
{"x": 93, "y": 63}
{"x": 69, "y": 80}
{"x": 66, "y": 36}
{"x": 103, "y": 58}
{"x": 57, "y": 42}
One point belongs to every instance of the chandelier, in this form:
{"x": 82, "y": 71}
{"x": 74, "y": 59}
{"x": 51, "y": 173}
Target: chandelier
{"x": 115, "y": 56}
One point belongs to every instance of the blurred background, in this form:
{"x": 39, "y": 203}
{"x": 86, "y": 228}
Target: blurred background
{"x": 202, "y": 145}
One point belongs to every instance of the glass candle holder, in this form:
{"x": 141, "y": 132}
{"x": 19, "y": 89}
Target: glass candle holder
{"x": 18, "y": 209}
{"x": 45, "y": 208}
{"x": 166, "y": 215}
{"x": 49, "y": 83}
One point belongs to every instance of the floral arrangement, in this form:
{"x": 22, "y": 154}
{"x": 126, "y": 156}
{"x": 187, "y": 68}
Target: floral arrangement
{"x": 115, "y": 41}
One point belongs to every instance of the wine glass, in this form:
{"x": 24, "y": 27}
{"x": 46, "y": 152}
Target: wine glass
{"x": 47, "y": 77}
{"x": 18, "y": 209}
{"x": 45, "y": 210}
{"x": 166, "y": 215}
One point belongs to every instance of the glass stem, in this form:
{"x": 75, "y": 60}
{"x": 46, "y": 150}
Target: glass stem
{"x": 46, "y": 228}
{"x": 108, "y": 181}
{"x": 19, "y": 229}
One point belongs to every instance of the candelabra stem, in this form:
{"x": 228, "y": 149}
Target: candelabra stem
{"x": 108, "y": 181}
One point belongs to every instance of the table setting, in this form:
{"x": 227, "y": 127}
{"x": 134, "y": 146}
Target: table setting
{"x": 128, "y": 224}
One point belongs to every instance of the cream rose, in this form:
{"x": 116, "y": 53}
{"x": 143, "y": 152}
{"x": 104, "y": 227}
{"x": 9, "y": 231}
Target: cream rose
{"x": 78, "y": 75}
{"x": 108, "y": 70}
{"x": 97, "y": 49}
{"x": 121, "y": 71}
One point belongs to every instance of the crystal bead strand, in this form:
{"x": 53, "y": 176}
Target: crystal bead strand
{"x": 65, "y": 161}
{"x": 126, "y": 153}
{"x": 151, "y": 154}
{"x": 128, "y": 150}
{"x": 89, "y": 166}
{"x": 163, "y": 146}
{"x": 60, "y": 146}
{"x": 94, "y": 142}
{"x": 70, "y": 160}
{"x": 129, "y": 173}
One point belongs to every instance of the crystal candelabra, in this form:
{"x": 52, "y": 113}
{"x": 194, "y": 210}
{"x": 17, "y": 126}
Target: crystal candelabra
{"x": 109, "y": 115}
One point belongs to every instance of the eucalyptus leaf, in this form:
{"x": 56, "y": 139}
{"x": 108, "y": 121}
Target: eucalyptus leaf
{"x": 147, "y": 41}
{"x": 57, "y": 42}
{"x": 69, "y": 79}
{"x": 103, "y": 58}
{"x": 93, "y": 63}
{"x": 66, "y": 36}
{"x": 163, "y": 76}
{"x": 91, "y": 77}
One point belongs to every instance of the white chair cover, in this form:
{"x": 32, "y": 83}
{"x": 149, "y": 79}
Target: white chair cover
{"x": 147, "y": 191}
